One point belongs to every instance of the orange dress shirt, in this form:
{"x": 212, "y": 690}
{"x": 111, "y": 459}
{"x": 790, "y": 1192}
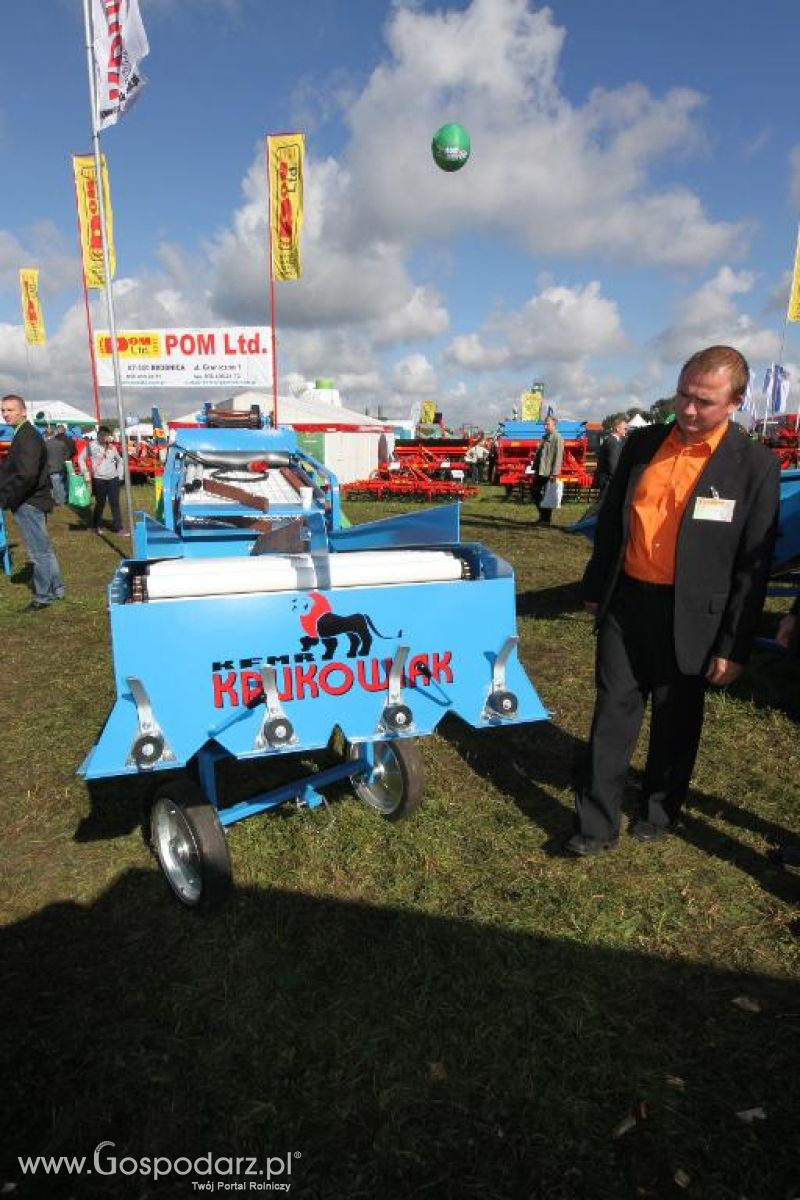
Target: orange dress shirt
{"x": 659, "y": 503}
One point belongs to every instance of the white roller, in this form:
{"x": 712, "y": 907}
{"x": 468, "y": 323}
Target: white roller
{"x": 297, "y": 572}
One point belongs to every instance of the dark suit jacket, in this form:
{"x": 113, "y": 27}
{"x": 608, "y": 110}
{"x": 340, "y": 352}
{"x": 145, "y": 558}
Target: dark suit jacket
{"x": 24, "y": 478}
{"x": 721, "y": 568}
{"x": 607, "y": 460}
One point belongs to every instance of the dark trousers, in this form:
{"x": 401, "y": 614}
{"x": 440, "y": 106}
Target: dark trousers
{"x": 636, "y": 662}
{"x": 106, "y": 489}
{"x": 545, "y": 514}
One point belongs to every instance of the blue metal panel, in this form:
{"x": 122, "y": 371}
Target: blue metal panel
{"x": 5, "y": 553}
{"x": 213, "y": 648}
{"x": 432, "y": 527}
{"x": 787, "y": 550}
{"x": 203, "y": 440}
{"x": 525, "y": 431}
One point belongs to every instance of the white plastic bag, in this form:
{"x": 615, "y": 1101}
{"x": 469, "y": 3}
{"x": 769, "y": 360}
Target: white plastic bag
{"x": 552, "y": 494}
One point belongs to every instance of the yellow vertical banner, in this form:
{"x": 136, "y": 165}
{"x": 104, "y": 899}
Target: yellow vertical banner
{"x": 531, "y": 406}
{"x": 285, "y": 153}
{"x": 428, "y": 414}
{"x": 793, "y": 313}
{"x": 31, "y": 308}
{"x": 88, "y": 201}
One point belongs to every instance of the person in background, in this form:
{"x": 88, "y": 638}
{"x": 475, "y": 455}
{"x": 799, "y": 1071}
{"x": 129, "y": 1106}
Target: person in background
{"x": 471, "y": 462}
{"x": 25, "y": 490}
{"x": 482, "y": 458}
{"x": 491, "y": 460}
{"x": 106, "y": 467}
{"x": 676, "y": 584}
{"x": 63, "y": 436}
{"x": 609, "y": 452}
{"x": 546, "y": 466}
{"x": 57, "y": 457}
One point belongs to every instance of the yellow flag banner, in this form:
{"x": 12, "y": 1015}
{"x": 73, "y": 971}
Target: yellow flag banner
{"x": 285, "y": 154}
{"x": 88, "y": 202}
{"x": 428, "y": 415}
{"x": 31, "y": 309}
{"x": 794, "y": 299}
{"x": 531, "y": 406}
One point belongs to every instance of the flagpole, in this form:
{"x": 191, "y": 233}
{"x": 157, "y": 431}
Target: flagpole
{"x": 272, "y": 295}
{"x": 92, "y": 359}
{"x": 112, "y": 325}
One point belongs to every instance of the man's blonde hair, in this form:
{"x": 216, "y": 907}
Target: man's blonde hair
{"x": 720, "y": 358}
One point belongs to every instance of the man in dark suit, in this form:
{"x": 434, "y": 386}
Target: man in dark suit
{"x": 676, "y": 582}
{"x": 609, "y": 452}
{"x": 25, "y": 489}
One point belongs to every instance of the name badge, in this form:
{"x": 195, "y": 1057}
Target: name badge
{"x": 713, "y": 508}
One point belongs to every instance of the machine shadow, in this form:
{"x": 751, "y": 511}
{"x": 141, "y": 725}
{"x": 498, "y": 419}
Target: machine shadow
{"x": 382, "y": 1053}
{"x": 551, "y": 602}
{"x": 517, "y": 762}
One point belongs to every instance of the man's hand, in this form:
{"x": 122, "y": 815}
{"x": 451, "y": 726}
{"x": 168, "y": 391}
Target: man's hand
{"x": 721, "y": 671}
{"x": 787, "y": 631}
{"x": 591, "y": 607}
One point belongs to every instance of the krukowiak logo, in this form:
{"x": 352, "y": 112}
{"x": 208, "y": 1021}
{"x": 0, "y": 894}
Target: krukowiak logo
{"x": 300, "y": 677}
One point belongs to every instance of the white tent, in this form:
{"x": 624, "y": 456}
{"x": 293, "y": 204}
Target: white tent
{"x": 637, "y": 421}
{"x": 307, "y": 410}
{"x": 56, "y": 413}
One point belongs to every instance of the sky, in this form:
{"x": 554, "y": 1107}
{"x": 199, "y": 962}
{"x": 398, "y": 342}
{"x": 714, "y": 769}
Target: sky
{"x": 632, "y": 195}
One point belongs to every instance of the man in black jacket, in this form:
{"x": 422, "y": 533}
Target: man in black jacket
{"x": 676, "y": 582}
{"x": 609, "y": 452}
{"x": 25, "y": 489}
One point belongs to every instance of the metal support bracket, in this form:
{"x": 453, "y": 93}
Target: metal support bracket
{"x": 310, "y": 798}
{"x": 500, "y": 703}
{"x": 276, "y": 730}
{"x": 149, "y": 746}
{"x": 397, "y": 717}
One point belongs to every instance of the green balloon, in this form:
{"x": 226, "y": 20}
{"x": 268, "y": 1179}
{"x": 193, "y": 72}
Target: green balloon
{"x": 450, "y": 147}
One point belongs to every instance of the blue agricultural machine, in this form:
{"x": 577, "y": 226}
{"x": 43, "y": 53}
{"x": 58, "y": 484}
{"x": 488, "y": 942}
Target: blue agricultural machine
{"x": 281, "y": 633}
{"x": 5, "y": 552}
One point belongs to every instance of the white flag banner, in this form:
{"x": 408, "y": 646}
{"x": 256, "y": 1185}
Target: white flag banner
{"x": 746, "y": 416}
{"x": 120, "y": 43}
{"x": 776, "y": 388}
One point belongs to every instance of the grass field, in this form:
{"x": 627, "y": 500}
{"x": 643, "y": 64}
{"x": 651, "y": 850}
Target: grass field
{"x": 445, "y": 1008}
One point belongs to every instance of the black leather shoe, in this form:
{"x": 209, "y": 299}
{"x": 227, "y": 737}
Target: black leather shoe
{"x": 646, "y": 831}
{"x": 583, "y": 846}
{"x": 35, "y": 606}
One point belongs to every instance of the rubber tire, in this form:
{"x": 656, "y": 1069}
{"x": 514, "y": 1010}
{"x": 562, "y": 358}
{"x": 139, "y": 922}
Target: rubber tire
{"x": 408, "y": 761}
{"x": 209, "y": 841}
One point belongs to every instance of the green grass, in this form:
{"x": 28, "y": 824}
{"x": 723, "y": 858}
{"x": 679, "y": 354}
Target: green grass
{"x": 443, "y": 1008}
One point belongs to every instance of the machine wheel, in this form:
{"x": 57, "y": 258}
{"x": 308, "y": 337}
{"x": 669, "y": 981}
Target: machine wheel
{"x": 394, "y": 786}
{"x": 190, "y": 844}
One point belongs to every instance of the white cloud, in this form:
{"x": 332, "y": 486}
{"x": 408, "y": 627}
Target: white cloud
{"x": 414, "y": 376}
{"x": 468, "y": 350}
{"x": 45, "y": 248}
{"x": 561, "y": 179}
{"x": 560, "y": 324}
{"x": 549, "y": 177}
{"x": 709, "y": 316}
